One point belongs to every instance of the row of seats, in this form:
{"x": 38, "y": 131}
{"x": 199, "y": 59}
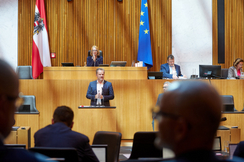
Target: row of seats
{"x": 143, "y": 146}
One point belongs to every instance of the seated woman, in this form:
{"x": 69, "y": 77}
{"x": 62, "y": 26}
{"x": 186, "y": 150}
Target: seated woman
{"x": 94, "y": 59}
{"x": 235, "y": 70}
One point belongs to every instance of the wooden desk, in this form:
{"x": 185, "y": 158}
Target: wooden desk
{"x": 127, "y": 73}
{"x": 232, "y": 136}
{"x": 19, "y": 136}
{"x": 133, "y": 101}
{"x": 31, "y": 120}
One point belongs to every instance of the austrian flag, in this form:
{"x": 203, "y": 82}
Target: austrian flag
{"x": 40, "y": 48}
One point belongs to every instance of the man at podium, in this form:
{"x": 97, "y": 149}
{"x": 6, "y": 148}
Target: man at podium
{"x": 100, "y": 91}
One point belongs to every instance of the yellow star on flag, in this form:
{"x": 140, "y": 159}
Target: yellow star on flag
{"x": 145, "y": 4}
{"x": 142, "y": 13}
{"x": 146, "y": 31}
{"x": 142, "y": 23}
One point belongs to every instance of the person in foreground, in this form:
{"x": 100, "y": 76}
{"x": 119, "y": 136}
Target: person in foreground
{"x": 59, "y": 134}
{"x": 189, "y": 117}
{"x": 95, "y": 59}
{"x": 9, "y": 102}
{"x": 170, "y": 69}
{"x": 235, "y": 70}
{"x": 100, "y": 89}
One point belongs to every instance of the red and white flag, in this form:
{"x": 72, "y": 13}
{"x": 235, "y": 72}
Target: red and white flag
{"x": 40, "y": 48}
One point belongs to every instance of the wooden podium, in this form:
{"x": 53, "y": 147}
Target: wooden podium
{"x": 125, "y": 73}
{"x": 233, "y": 135}
{"x": 19, "y": 136}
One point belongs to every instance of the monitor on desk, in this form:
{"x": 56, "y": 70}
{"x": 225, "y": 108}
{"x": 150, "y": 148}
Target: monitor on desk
{"x": 155, "y": 75}
{"x": 210, "y": 71}
{"x": 118, "y": 63}
{"x": 67, "y": 64}
{"x": 217, "y": 144}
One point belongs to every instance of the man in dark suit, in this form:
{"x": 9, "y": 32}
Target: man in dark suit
{"x": 100, "y": 91}
{"x": 59, "y": 134}
{"x": 239, "y": 152}
{"x": 189, "y": 117}
{"x": 171, "y": 70}
{"x": 9, "y": 102}
{"x": 165, "y": 86}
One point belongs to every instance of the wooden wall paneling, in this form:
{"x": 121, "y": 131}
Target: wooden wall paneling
{"x": 234, "y": 31}
{"x": 133, "y": 101}
{"x": 75, "y": 26}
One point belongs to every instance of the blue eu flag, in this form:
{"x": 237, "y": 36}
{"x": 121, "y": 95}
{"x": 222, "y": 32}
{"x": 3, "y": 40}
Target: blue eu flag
{"x": 144, "y": 49}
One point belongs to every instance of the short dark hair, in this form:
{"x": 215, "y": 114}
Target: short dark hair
{"x": 63, "y": 114}
{"x": 100, "y": 69}
{"x": 170, "y": 57}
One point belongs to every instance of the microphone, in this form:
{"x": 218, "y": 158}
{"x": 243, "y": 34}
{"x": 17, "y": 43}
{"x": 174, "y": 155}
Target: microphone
{"x": 223, "y": 119}
{"x": 93, "y": 60}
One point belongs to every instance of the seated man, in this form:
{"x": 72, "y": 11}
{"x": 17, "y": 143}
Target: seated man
{"x": 171, "y": 70}
{"x": 59, "y": 134}
{"x": 165, "y": 86}
{"x": 189, "y": 117}
{"x": 9, "y": 102}
{"x": 100, "y": 89}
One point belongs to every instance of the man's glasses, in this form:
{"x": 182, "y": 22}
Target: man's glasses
{"x": 19, "y": 100}
{"x": 158, "y": 114}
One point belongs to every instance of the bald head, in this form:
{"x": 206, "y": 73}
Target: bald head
{"x": 9, "y": 90}
{"x": 197, "y": 109}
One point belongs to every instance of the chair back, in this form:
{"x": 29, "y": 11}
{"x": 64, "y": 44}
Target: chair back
{"x": 228, "y": 102}
{"x": 101, "y": 53}
{"x": 24, "y": 72}
{"x": 60, "y": 154}
{"x": 224, "y": 73}
{"x": 227, "y": 99}
{"x": 143, "y": 146}
{"x": 29, "y": 104}
{"x": 112, "y": 140}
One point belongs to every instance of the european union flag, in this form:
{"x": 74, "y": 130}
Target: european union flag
{"x": 144, "y": 49}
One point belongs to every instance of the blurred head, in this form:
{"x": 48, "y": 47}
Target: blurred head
{"x": 165, "y": 86}
{"x": 189, "y": 116}
{"x": 238, "y": 63}
{"x": 100, "y": 74}
{"x": 171, "y": 60}
{"x": 94, "y": 51}
{"x": 9, "y": 95}
{"x": 63, "y": 114}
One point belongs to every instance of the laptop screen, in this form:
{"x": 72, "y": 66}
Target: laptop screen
{"x": 100, "y": 151}
{"x": 217, "y": 144}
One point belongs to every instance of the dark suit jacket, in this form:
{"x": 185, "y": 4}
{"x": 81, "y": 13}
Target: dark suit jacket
{"x": 90, "y": 62}
{"x": 60, "y": 135}
{"x": 166, "y": 73}
{"x": 107, "y": 92}
{"x": 159, "y": 99}
{"x": 239, "y": 152}
{"x": 20, "y": 155}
